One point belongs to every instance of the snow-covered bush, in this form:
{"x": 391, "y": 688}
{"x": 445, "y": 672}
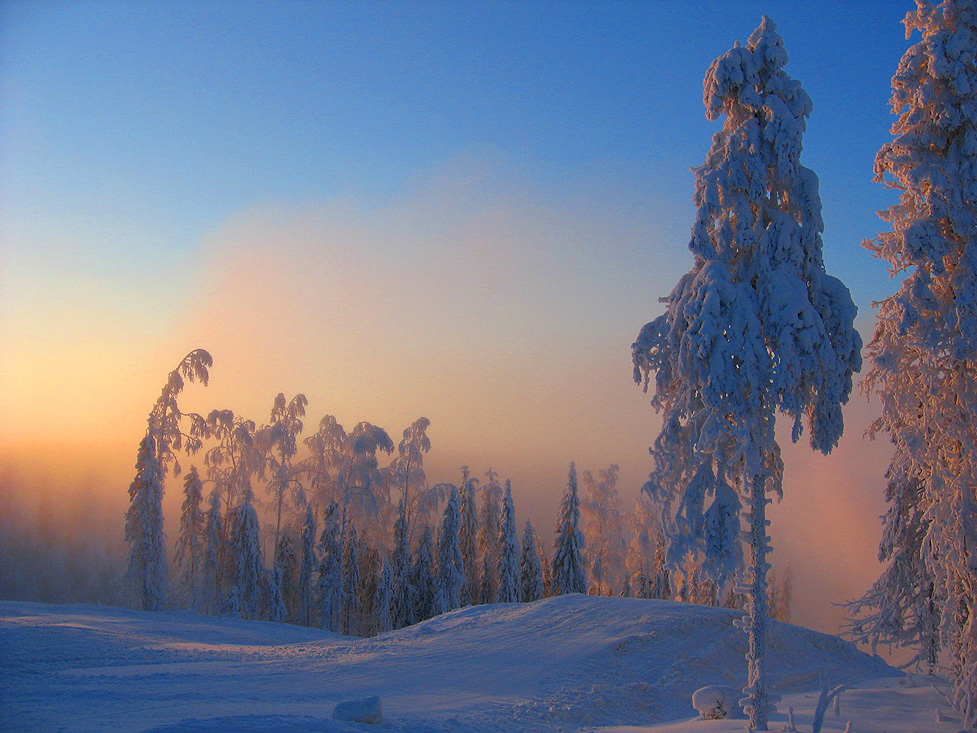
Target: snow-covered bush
{"x": 714, "y": 702}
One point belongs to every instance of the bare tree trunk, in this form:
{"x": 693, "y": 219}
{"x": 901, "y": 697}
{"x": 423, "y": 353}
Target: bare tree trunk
{"x": 758, "y": 704}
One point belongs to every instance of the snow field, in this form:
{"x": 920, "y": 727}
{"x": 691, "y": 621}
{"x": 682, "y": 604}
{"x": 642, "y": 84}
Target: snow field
{"x": 565, "y": 663}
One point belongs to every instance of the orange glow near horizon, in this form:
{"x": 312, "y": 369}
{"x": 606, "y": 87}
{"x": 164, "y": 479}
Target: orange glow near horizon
{"x": 469, "y": 304}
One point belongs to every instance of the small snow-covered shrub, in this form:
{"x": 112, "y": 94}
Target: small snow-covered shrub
{"x": 714, "y": 702}
{"x": 368, "y": 710}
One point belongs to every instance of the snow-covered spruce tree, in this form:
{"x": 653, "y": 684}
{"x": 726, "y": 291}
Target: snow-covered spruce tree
{"x": 510, "y": 571}
{"x": 214, "y": 551}
{"x": 287, "y": 558}
{"x": 146, "y": 570}
{"x": 756, "y": 327}
{"x": 191, "y": 545}
{"x": 307, "y": 569}
{"x": 469, "y": 537}
{"x": 371, "y": 567}
{"x": 547, "y": 571}
{"x": 490, "y": 520}
{"x": 383, "y": 601}
{"x": 276, "y": 597}
{"x": 404, "y": 601}
{"x": 351, "y": 583}
{"x": 569, "y": 574}
{"x": 450, "y": 581}
{"x": 924, "y": 352}
{"x": 245, "y": 552}
{"x": 531, "y": 567}
{"x": 423, "y": 575}
{"x": 330, "y": 589}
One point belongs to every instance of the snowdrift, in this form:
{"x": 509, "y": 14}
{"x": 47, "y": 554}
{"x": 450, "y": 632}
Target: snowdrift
{"x": 570, "y": 662}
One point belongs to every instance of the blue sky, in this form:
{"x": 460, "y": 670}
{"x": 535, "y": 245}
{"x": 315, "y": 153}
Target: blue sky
{"x": 464, "y": 210}
{"x": 154, "y": 122}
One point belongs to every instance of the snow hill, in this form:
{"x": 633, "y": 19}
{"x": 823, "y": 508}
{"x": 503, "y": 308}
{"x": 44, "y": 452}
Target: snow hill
{"x": 566, "y": 663}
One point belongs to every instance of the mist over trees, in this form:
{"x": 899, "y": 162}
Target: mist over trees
{"x": 319, "y": 531}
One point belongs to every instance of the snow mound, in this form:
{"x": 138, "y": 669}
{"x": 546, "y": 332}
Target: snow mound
{"x": 714, "y": 703}
{"x": 568, "y": 662}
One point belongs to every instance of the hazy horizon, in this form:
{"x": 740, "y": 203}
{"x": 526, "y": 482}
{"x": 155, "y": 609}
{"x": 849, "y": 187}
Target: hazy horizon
{"x": 461, "y": 212}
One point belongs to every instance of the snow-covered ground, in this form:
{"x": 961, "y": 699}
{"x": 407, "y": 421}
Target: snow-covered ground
{"x": 568, "y": 663}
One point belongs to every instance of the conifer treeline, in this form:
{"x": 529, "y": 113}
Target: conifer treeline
{"x": 357, "y": 548}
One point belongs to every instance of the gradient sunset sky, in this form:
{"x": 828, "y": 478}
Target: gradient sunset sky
{"x": 458, "y": 210}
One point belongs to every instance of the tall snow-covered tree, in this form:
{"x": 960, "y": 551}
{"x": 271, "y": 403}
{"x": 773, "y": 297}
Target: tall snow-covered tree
{"x": 406, "y": 470}
{"x": 404, "y": 600}
{"x": 450, "y": 580}
{"x": 276, "y": 598}
{"x": 330, "y": 589}
{"x": 383, "y": 601}
{"x": 924, "y": 352}
{"x": 569, "y": 573}
{"x": 351, "y": 583}
{"x": 146, "y": 570}
{"x": 213, "y": 556}
{"x": 371, "y": 568}
{"x": 245, "y": 552}
{"x": 278, "y": 442}
{"x": 287, "y": 558}
{"x": 234, "y": 460}
{"x": 531, "y": 565}
{"x": 191, "y": 545}
{"x": 603, "y": 524}
{"x": 755, "y": 328}
{"x": 344, "y": 468}
{"x": 469, "y": 536}
{"x": 423, "y": 580}
{"x": 490, "y": 520}
{"x": 510, "y": 572}
{"x": 307, "y": 569}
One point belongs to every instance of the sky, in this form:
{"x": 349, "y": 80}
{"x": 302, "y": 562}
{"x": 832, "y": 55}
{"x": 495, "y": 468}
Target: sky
{"x": 459, "y": 210}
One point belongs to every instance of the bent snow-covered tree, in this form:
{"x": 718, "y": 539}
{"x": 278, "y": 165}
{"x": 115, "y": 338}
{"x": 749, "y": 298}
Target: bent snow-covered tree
{"x": 146, "y": 569}
{"x": 924, "y": 352}
{"x": 755, "y": 328}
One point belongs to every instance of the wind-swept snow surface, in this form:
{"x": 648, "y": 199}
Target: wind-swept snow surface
{"x": 572, "y": 662}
